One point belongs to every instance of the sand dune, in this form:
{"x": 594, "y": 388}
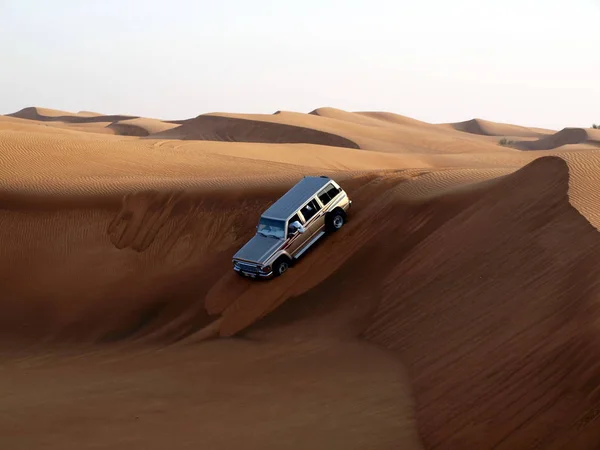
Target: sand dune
{"x": 36, "y": 113}
{"x": 394, "y": 118}
{"x": 140, "y": 127}
{"x": 456, "y": 309}
{"x": 373, "y": 118}
{"x": 487, "y": 128}
{"x": 512, "y": 331}
{"x": 383, "y": 136}
{"x": 93, "y": 122}
{"x": 345, "y": 116}
{"x": 88, "y": 114}
{"x": 214, "y": 128}
{"x": 51, "y": 115}
{"x": 565, "y": 136}
{"x": 375, "y": 131}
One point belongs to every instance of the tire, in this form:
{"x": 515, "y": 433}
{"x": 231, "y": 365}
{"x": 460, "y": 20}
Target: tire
{"x": 335, "y": 220}
{"x": 281, "y": 266}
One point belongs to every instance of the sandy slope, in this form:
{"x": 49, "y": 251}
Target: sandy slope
{"x": 461, "y": 294}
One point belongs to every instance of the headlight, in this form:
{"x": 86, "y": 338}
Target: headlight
{"x": 265, "y": 269}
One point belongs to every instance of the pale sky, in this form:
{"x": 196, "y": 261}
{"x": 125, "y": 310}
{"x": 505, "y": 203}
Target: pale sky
{"x": 529, "y": 62}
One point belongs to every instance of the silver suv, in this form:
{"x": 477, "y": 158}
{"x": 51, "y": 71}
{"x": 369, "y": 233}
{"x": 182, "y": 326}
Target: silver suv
{"x": 290, "y": 226}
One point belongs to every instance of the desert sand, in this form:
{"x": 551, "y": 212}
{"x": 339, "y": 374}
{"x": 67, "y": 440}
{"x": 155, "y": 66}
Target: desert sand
{"x": 457, "y": 309}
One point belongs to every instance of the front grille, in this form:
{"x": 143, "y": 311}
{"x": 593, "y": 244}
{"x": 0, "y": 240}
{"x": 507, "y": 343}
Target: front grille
{"x": 248, "y": 268}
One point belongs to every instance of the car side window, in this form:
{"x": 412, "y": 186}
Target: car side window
{"x": 324, "y": 196}
{"x": 333, "y": 191}
{"x": 291, "y": 221}
{"x": 310, "y": 209}
{"x": 328, "y": 193}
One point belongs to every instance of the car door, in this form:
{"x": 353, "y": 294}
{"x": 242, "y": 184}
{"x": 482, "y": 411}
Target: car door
{"x": 314, "y": 216}
{"x": 296, "y": 240}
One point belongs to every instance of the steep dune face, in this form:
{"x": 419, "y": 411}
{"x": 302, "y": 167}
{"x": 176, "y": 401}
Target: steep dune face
{"x": 152, "y": 255}
{"x": 216, "y": 128}
{"x": 565, "y": 136}
{"x": 495, "y": 314}
{"x": 162, "y": 257}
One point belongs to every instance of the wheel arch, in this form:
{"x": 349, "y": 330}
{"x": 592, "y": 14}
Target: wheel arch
{"x": 337, "y": 209}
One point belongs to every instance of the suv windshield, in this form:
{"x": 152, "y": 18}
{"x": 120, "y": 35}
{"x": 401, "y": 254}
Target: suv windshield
{"x": 271, "y": 228}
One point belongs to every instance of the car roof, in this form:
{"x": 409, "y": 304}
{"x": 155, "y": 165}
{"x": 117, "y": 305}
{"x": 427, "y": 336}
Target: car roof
{"x": 295, "y": 198}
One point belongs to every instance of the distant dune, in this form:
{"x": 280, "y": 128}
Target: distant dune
{"x": 378, "y": 135}
{"x": 487, "y": 128}
{"x": 229, "y": 129}
{"x": 395, "y": 118}
{"x": 140, "y": 127}
{"x": 35, "y": 113}
{"x": 457, "y": 307}
{"x": 50, "y": 115}
{"x": 88, "y": 114}
{"x": 566, "y": 136}
{"x": 350, "y": 117}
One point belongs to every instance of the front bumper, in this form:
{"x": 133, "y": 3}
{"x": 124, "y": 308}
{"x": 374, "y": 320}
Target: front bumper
{"x": 252, "y": 273}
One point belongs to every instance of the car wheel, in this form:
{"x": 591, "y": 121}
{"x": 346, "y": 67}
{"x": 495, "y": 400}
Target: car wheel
{"x": 336, "y": 220}
{"x": 280, "y": 267}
